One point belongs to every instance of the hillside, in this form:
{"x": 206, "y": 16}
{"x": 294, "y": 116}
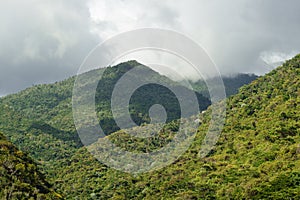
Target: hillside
{"x": 40, "y": 118}
{"x": 256, "y": 157}
{"x": 20, "y": 177}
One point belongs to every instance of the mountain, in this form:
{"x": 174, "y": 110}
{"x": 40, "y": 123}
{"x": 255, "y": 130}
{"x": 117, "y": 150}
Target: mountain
{"x": 20, "y": 177}
{"x": 232, "y": 84}
{"x": 256, "y": 157}
{"x": 40, "y": 118}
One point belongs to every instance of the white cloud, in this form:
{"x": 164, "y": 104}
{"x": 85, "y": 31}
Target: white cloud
{"x": 274, "y": 59}
{"x": 112, "y": 17}
{"x": 47, "y": 40}
{"x": 234, "y": 33}
{"x": 42, "y": 41}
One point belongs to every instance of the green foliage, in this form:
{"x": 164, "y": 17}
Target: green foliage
{"x": 19, "y": 175}
{"x": 40, "y": 118}
{"x": 141, "y": 100}
{"x": 257, "y": 155}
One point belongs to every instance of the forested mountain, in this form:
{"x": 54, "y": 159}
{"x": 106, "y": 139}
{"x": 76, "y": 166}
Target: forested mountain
{"x": 20, "y": 177}
{"x": 40, "y": 118}
{"x": 232, "y": 83}
{"x": 256, "y": 157}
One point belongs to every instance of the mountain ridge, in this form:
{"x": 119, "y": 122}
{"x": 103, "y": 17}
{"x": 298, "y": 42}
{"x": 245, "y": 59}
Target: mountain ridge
{"x": 256, "y": 157}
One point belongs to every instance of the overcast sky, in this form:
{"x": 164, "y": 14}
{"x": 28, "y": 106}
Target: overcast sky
{"x": 46, "y": 40}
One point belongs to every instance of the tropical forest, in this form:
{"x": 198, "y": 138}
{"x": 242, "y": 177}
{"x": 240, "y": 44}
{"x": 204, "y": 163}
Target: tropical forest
{"x": 257, "y": 155}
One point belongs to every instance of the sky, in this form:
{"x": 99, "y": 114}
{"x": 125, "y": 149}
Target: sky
{"x": 46, "y": 41}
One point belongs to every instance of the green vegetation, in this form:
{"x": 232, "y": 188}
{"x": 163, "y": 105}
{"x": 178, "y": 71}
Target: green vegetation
{"x": 20, "y": 177}
{"x": 40, "y": 118}
{"x": 256, "y": 157}
{"x": 141, "y": 100}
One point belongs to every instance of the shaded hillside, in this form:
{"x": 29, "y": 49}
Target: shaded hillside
{"x": 231, "y": 83}
{"x": 142, "y": 99}
{"x": 40, "y": 118}
{"x": 19, "y": 175}
{"x": 234, "y": 82}
{"x": 256, "y": 157}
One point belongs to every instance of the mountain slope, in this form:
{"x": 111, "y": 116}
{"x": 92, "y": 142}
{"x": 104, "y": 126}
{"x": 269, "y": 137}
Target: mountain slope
{"x": 256, "y": 157}
{"x": 40, "y": 118}
{"x": 20, "y": 178}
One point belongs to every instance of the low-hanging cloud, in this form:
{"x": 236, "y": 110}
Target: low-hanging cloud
{"x": 44, "y": 41}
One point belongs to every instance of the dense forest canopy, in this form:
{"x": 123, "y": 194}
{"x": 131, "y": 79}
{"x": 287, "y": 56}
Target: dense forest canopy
{"x": 20, "y": 176}
{"x": 256, "y": 157}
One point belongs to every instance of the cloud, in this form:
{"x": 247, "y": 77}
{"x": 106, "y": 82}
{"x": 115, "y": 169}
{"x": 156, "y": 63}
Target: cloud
{"x": 112, "y": 17}
{"x": 234, "y": 33}
{"x": 274, "y": 59}
{"x": 44, "y": 41}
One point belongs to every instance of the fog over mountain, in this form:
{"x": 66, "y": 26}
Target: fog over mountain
{"x": 46, "y": 41}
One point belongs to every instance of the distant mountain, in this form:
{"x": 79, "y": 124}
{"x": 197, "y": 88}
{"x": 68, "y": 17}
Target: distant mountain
{"x": 20, "y": 177}
{"x": 232, "y": 84}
